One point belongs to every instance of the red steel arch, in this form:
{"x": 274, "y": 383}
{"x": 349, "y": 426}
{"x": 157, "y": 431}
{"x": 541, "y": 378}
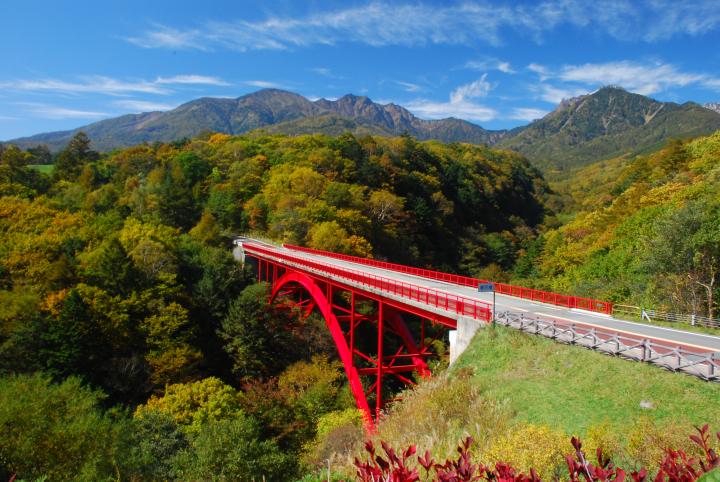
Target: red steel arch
{"x": 389, "y": 320}
{"x": 336, "y": 331}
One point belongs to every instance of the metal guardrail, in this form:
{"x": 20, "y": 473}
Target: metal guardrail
{"x": 589, "y": 304}
{"x": 705, "y": 365}
{"x": 452, "y": 303}
{"x": 652, "y": 315}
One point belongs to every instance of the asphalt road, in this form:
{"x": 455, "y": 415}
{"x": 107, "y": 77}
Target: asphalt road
{"x": 692, "y": 341}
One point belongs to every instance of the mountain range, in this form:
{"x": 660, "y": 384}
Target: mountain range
{"x": 606, "y": 123}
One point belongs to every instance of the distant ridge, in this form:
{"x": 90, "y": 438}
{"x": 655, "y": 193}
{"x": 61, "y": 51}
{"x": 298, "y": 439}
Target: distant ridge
{"x": 284, "y": 111}
{"x": 607, "y": 123}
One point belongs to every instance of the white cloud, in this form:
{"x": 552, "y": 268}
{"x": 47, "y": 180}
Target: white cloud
{"x": 143, "y": 106}
{"x": 409, "y": 86}
{"x": 541, "y": 70}
{"x": 555, "y": 95}
{"x": 644, "y": 79}
{"x": 441, "y": 110}
{"x": 505, "y": 67}
{"x": 478, "y": 88}
{"x": 460, "y": 104}
{"x": 168, "y": 37}
{"x": 55, "y": 112}
{"x": 682, "y": 17}
{"x": 98, "y": 84}
{"x": 325, "y": 72}
{"x": 384, "y": 23}
{"x": 263, "y": 84}
{"x": 191, "y": 79}
{"x": 527, "y": 114}
{"x": 89, "y": 85}
{"x": 490, "y": 64}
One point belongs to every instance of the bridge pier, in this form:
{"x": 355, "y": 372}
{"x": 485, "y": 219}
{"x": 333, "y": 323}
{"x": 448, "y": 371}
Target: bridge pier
{"x": 461, "y": 337}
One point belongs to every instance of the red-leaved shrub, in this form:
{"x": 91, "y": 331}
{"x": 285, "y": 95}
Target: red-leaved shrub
{"x": 677, "y": 466}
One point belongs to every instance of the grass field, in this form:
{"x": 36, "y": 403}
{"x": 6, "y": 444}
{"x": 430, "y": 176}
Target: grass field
{"x": 44, "y": 168}
{"x": 571, "y": 387}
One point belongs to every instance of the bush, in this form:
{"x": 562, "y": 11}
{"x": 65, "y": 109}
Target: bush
{"x": 232, "y": 450}
{"x": 530, "y": 446}
{"x": 677, "y": 465}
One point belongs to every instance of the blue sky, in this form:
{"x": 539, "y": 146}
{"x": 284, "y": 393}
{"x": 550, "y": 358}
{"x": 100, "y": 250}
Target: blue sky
{"x": 498, "y": 64}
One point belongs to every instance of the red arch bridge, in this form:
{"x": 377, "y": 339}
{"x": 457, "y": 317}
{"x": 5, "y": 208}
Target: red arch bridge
{"x": 383, "y": 317}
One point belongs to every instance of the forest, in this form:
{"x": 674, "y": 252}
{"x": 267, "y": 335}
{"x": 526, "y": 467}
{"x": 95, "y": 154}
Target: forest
{"x": 134, "y": 347}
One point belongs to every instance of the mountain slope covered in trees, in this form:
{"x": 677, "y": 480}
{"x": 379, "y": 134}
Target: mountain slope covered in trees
{"x": 268, "y": 107}
{"x": 649, "y": 234}
{"x": 606, "y": 124}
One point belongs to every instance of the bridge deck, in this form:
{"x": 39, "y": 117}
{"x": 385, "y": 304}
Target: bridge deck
{"x": 691, "y": 341}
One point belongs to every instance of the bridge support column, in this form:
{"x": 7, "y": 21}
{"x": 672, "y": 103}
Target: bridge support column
{"x": 380, "y": 334}
{"x": 460, "y": 339}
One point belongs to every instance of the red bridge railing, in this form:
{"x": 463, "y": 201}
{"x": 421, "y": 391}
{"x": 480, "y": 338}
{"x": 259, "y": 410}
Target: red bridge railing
{"x": 567, "y": 301}
{"x": 457, "y": 304}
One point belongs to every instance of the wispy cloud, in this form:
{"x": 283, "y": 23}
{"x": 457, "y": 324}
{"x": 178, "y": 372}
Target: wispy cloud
{"x": 682, "y": 17}
{"x": 478, "y": 88}
{"x": 555, "y": 95}
{"x": 409, "y": 86}
{"x": 381, "y": 23}
{"x": 642, "y": 78}
{"x": 526, "y": 114}
{"x": 88, "y": 85}
{"x": 541, "y": 70}
{"x": 98, "y": 84}
{"x": 325, "y": 72}
{"x": 490, "y": 64}
{"x": 162, "y": 36}
{"x": 460, "y": 104}
{"x": 264, "y": 84}
{"x": 191, "y": 79}
{"x": 55, "y": 112}
{"x": 143, "y": 105}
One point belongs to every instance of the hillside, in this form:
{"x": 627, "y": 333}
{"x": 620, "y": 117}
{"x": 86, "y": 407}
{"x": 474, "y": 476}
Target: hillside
{"x": 646, "y": 232}
{"x": 522, "y": 397}
{"x": 606, "y": 124}
{"x": 269, "y": 107}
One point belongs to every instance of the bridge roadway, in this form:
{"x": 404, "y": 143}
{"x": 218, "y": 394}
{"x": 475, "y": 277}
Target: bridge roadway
{"x": 691, "y": 341}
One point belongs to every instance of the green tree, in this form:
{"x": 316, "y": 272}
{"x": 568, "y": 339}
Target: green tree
{"x": 195, "y": 404}
{"x": 13, "y": 164}
{"x": 257, "y": 336}
{"x": 156, "y": 441}
{"x": 70, "y": 161}
{"x": 230, "y": 450}
{"x": 686, "y": 244}
{"x": 71, "y": 343}
{"x": 57, "y": 431}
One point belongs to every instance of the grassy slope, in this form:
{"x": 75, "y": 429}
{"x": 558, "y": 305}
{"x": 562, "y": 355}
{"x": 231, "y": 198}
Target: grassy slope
{"x": 573, "y": 388}
{"x": 521, "y": 397}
